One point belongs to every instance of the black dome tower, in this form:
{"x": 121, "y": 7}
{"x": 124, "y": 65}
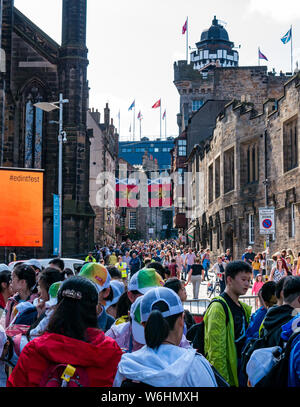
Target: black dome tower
{"x": 214, "y": 45}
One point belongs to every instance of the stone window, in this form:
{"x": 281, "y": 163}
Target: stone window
{"x": 211, "y": 239}
{"x": 228, "y": 213}
{"x": 219, "y": 230}
{"x": 251, "y": 228}
{"x": 182, "y": 148}
{"x": 290, "y": 144}
{"x": 210, "y": 183}
{"x": 252, "y": 163}
{"x": 217, "y": 177}
{"x": 132, "y": 220}
{"x": 292, "y": 220}
{"x": 196, "y": 104}
{"x": 229, "y": 170}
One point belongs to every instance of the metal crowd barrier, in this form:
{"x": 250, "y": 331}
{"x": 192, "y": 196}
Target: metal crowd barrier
{"x": 251, "y": 300}
{"x": 198, "y": 307}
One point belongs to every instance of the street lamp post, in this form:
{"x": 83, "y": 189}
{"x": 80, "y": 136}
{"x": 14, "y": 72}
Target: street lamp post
{"x": 62, "y": 138}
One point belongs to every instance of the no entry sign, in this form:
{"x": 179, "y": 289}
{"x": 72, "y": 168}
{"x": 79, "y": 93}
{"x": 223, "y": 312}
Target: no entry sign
{"x": 266, "y": 221}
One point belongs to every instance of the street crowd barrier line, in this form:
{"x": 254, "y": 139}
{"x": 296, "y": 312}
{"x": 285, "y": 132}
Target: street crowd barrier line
{"x": 197, "y": 307}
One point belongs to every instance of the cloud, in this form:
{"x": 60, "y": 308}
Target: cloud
{"x": 276, "y": 9}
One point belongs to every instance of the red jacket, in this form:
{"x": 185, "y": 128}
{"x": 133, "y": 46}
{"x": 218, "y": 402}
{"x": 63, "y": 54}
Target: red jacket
{"x": 100, "y": 357}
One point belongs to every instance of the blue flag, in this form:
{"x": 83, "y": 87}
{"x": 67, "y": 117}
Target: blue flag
{"x": 132, "y": 105}
{"x": 286, "y": 38}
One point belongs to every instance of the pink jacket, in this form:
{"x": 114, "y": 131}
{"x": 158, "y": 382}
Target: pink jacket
{"x": 256, "y": 287}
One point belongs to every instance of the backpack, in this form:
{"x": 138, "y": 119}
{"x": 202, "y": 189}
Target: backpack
{"x": 64, "y": 375}
{"x": 15, "y": 332}
{"x": 252, "y": 345}
{"x": 278, "y": 375}
{"x": 196, "y": 333}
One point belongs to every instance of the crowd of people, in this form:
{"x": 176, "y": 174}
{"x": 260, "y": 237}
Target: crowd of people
{"x": 121, "y": 320}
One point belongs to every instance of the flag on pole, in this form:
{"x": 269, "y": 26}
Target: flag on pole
{"x": 287, "y": 37}
{"x": 157, "y": 104}
{"x": 119, "y": 115}
{"x": 164, "y": 115}
{"x": 261, "y": 55}
{"x": 132, "y": 105}
{"x": 139, "y": 116}
{"x": 184, "y": 28}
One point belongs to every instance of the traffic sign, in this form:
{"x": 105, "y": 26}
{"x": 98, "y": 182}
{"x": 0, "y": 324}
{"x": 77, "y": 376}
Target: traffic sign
{"x": 266, "y": 221}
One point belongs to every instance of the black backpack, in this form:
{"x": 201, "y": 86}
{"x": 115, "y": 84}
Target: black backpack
{"x": 259, "y": 343}
{"x": 196, "y": 333}
{"x": 278, "y": 375}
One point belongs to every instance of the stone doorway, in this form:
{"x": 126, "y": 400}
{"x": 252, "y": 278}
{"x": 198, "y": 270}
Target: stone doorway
{"x": 229, "y": 239}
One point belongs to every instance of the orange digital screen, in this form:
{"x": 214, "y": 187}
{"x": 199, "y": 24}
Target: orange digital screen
{"x": 21, "y": 208}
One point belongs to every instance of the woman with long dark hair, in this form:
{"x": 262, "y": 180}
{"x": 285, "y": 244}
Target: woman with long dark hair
{"x": 23, "y": 284}
{"x": 72, "y": 338}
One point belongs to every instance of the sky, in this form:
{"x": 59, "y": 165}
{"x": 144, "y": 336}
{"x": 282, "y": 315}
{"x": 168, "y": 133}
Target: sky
{"x": 133, "y": 45}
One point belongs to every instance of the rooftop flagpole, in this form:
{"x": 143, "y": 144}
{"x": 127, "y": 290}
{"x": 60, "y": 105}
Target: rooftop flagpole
{"x": 291, "y": 50}
{"x": 160, "y": 119}
{"x": 187, "y": 41}
{"x": 134, "y": 121}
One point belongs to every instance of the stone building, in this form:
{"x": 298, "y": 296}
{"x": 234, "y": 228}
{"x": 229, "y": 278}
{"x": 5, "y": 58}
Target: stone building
{"x": 214, "y": 74}
{"x": 143, "y": 221}
{"x": 103, "y": 160}
{"x": 251, "y": 161}
{"x": 247, "y": 83}
{"x": 38, "y": 69}
{"x": 206, "y": 91}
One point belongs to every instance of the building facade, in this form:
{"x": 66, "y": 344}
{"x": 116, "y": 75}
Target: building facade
{"x": 38, "y": 69}
{"x": 142, "y": 220}
{"x": 252, "y": 161}
{"x": 103, "y": 164}
{"x": 133, "y": 151}
{"x": 223, "y": 118}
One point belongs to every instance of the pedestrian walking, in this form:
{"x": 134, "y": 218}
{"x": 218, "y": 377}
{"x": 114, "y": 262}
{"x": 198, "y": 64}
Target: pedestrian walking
{"x": 195, "y": 276}
{"x": 206, "y": 263}
{"x": 278, "y": 272}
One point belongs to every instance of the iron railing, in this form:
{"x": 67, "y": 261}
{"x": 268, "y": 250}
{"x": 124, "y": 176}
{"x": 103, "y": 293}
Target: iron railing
{"x": 198, "y": 307}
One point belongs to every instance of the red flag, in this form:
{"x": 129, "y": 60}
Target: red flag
{"x": 164, "y": 115}
{"x": 157, "y": 104}
{"x": 184, "y": 28}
